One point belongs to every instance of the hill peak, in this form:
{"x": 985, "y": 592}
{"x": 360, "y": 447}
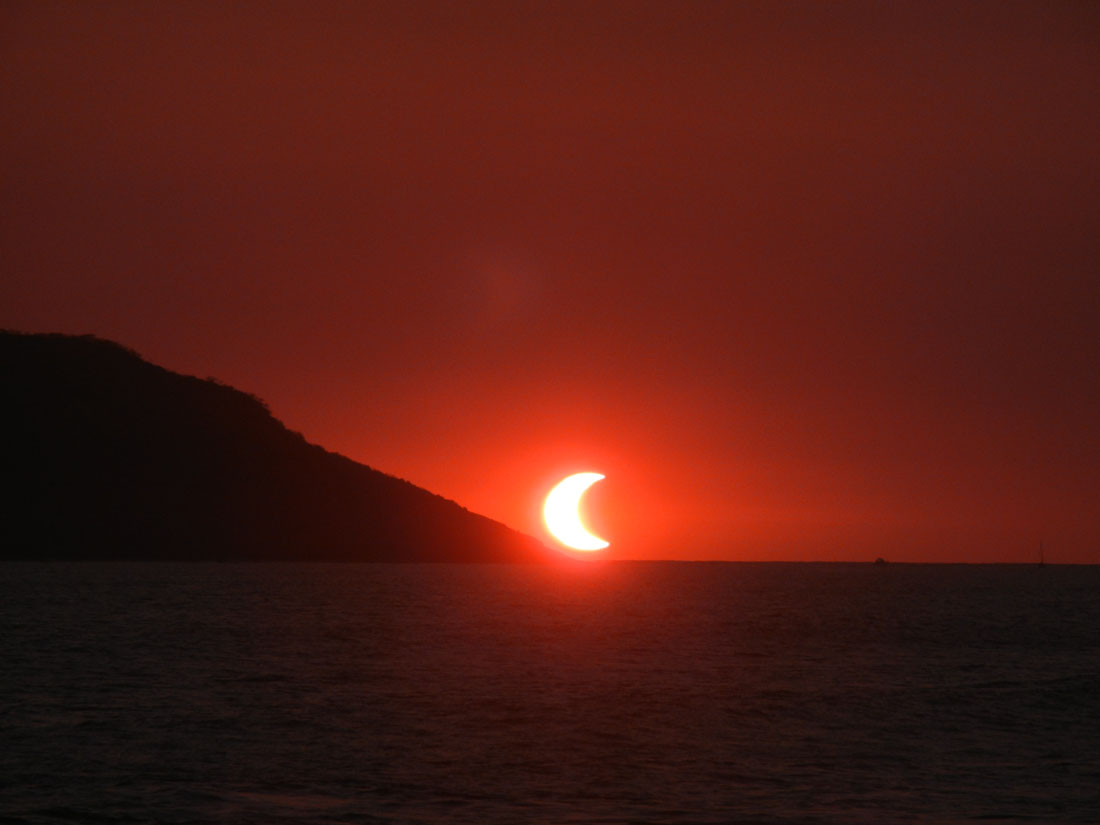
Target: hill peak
{"x": 108, "y": 456}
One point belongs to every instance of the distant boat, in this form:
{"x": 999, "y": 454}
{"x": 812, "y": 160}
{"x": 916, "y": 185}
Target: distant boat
{"x": 880, "y": 560}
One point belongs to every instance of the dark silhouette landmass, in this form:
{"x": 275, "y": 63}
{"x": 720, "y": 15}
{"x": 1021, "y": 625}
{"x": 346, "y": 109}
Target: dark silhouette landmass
{"x": 106, "y": 456}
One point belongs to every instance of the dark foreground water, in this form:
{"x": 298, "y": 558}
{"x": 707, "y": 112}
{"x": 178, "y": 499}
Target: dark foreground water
{"x": 612, "y": 693}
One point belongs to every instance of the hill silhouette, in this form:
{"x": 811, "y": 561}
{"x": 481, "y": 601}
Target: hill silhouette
{"x": 107, "y": 456}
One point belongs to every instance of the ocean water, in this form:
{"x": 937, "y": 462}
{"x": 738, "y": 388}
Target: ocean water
{"x": 586, "y": 693}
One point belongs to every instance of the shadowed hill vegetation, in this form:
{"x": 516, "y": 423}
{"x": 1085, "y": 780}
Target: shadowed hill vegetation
{"x": 106, "y": 456}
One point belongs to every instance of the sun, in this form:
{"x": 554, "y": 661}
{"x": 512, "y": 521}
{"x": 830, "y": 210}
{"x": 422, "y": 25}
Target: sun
{"x": 561, "y": 513}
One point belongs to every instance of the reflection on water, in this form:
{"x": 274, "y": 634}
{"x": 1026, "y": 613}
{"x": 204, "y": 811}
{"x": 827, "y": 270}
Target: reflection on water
{"x": 629, "y": 692}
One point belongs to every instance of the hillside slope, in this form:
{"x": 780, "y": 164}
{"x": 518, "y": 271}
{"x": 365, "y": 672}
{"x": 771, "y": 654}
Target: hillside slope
{"x": 106, "y": 456}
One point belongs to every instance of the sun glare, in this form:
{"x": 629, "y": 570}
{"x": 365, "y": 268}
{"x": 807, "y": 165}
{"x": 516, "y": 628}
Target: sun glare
{"x": 561, "y": 512}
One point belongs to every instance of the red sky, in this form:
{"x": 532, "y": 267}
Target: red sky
{"x": 804, "y": 280}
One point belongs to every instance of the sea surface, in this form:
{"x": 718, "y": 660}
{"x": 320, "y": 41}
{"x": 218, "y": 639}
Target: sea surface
{"x": 574, "y": 693}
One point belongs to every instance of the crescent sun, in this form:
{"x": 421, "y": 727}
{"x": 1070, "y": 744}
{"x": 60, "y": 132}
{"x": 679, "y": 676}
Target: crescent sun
{"x": 561, "y": 512}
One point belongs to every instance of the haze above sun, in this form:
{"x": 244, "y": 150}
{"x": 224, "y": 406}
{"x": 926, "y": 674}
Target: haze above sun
{"x": 561, "y": 512}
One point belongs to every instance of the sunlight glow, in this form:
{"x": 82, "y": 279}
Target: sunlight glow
{"x": 562, "y": 516}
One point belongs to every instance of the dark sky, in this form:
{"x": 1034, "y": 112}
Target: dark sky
{"x": 804, "y": 280}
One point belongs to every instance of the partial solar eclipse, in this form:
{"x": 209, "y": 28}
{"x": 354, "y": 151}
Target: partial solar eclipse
{"x": 561, "y": 512}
